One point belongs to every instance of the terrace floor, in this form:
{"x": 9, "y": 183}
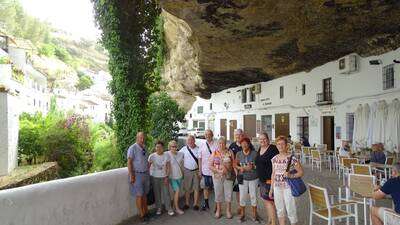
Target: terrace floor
{"x": 325, "y": 179}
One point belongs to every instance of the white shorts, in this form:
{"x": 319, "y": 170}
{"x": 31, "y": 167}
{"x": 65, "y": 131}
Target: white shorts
{"x": 381, "y": 212}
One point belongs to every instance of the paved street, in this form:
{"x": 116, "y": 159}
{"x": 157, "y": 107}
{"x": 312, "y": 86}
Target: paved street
{"x": 324, "y": 179}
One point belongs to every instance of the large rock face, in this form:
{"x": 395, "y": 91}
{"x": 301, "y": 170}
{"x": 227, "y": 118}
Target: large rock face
{"x": 218, "y": 44}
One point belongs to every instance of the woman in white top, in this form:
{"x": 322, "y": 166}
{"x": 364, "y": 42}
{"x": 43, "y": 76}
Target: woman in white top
{"x": 176, "y": 172}
{"x": 159, "y": 170}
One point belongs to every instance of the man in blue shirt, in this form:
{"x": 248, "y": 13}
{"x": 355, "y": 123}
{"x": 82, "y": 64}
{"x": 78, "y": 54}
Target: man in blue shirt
{"x": 391, "y": 187}
{"x": 139, "y": 177}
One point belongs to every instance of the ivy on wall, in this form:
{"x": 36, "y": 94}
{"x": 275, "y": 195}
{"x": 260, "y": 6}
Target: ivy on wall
{"x": 131, "y": 34}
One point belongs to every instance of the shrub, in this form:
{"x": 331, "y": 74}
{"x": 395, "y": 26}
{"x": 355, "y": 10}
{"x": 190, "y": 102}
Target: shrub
{"x": 165, "y": 113}
{"x": 84, "y": 82}
{"x": 56, "y": 137}
{"x": 29, "y": 141}
{"x": 47, "y": 50}
{"x": 62, "y": 54}
{"x": 106, "y": 155}
{"x": 68, "y": 142}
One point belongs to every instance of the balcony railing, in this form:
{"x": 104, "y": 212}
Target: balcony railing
{"x": 324, "y": 98}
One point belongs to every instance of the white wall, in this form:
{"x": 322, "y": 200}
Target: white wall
{"x": 96, "y": 199}
{"x": 18, "y": 56}
{"x": 9, "y": 127}
{"x": 349, "y": 90}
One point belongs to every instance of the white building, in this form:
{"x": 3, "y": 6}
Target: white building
{"x": 319, "y": 104}
{"x": 31, "y": 85}
{"x": 89, "y": 103}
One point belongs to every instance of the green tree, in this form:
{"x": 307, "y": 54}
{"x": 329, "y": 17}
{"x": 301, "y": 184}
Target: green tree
{"x": 127, "y": 35}
{"x": 47, "y": 50}
{"x": 165, "y": 113}
{"x": 62, "y": 54}
{"x": 84, "y": 82}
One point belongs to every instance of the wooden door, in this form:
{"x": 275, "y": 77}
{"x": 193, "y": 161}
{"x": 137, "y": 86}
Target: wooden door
{"x": 266, "y": 124}
{"x": 328, "y": 131}
{"x": 222, "y": 128}
{"x": 250, "y": 125}
{"x": 281, "y": 124}
{"x": 232, "y": 128}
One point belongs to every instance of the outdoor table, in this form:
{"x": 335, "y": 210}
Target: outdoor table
{"x": 362, "y": 158}
{"x": 387, "y": 168}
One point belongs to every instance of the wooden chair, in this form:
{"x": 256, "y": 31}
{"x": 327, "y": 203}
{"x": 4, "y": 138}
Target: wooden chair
{"x": 361, "y": 169}
{"x": 391, "y": 218}
{"x": 360, "y": 190}
{"x": 345, "y": 166}
{"x": 389, "y": 160}
{"x": 306, "y": 154}
{"x": 317, "y": 159}
{"x": 382, "y": 171}
{"x": 321, "y": 207}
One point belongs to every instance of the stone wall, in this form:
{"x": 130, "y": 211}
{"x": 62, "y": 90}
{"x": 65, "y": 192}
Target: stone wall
{"x": 36, "y": 174}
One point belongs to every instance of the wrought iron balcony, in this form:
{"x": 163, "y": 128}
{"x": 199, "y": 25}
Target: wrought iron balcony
{"x": 324, "y": 98}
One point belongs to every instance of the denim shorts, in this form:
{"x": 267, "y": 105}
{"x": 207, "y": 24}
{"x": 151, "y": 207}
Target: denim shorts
{"x": 208, "y": 182}
{"x": 141, "y": 187}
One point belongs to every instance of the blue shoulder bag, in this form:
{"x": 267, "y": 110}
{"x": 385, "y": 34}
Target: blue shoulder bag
{"x": 297, "y": 185}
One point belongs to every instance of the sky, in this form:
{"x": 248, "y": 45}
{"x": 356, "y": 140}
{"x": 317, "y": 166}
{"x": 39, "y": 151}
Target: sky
{"x": 72, "y": 16}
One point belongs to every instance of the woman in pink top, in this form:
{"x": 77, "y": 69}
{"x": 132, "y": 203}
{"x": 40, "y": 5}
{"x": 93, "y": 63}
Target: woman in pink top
{"x": 280, "y": 189}
{"x": 221, "y": 165}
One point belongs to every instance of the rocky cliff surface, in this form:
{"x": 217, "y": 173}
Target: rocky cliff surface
{"x": 219, "y": 44}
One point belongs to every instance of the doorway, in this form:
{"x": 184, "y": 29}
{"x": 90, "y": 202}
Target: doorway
{"x": 281, "y": 124}
{"x": 328, "y": 131}
{"x": 222, "y": 128}
{"x": 232, "y": 128}
{"x": 250, "y": 125}
{"x": 266, "y": 125}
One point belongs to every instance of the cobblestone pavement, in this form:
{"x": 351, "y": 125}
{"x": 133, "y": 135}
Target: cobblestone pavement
{"x": 325, "y": 179}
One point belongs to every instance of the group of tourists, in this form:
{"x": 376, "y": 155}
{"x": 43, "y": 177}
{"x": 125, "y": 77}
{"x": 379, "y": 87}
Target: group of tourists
{"x": 215, "y": 167}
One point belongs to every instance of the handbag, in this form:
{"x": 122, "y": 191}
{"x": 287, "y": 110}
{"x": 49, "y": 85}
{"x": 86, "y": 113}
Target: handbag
{"x": 297, "y": 185}
{"x": 150, "y": 196}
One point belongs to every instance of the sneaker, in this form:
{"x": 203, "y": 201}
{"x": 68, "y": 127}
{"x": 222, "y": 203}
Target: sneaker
{"x": 255, "y": 219}
{"x": 171, "y": 212}
{"x": 241, "y": 219}
{"x": 185, "y": 207}
{"x": 203, "y": 207}
{"x": 196, "y": 208}
{"x": 159, "y": 211}
{"x": 180, "y": 212}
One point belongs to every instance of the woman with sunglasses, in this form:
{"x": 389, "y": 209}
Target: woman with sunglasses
{"x": 176, "y": 172}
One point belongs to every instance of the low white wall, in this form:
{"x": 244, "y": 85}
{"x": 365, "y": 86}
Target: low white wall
{"x": 96, "y": 199}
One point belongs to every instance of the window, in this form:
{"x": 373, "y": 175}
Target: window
{"x": 302, "y": 127}
{"x": 244, "y": 95}
{"x": 349, "y": 126}
{"x": 281, "y": 92}
{"x": 190, "y": 115}
{"x": 210, "y": 106}
{"x": 195, "y": 123}
{"x": 388, "y": 77}
{"x": 303, "y": 89}
{"x": 202, "y": 125}
{"x": 34, "y": 102}
{"x": 252, "y": 96}
{"x": 40, "y": 103}
{"x": 199, "y": 109}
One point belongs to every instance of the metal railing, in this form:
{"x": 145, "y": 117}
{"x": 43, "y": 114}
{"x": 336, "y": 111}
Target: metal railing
{"x": 324, "y": 98}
